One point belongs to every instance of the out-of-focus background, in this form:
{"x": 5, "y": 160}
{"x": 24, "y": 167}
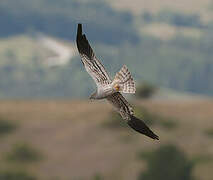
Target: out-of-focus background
{"x": 48, "y": 128}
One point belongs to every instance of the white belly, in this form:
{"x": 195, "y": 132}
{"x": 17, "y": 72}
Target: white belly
{"x": 105, "y": 91}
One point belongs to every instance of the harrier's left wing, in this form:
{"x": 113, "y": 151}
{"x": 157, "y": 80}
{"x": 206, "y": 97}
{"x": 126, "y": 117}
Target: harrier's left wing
{"x": 89, "y": 60}
{"x": 126, "y": 112}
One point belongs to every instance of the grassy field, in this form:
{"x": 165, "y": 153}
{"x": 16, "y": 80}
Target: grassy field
{"x": 24, "y": 49}
{"x": 75, "y": 144}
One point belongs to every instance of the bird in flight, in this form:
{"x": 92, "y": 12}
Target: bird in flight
{"x": 111, "y": 89}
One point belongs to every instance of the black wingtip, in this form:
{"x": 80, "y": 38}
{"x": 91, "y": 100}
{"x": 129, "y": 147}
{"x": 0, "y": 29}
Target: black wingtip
{"x": 79, "y": 34}
{"x": 139, "y": 126}
{"x": 82, "y": 43}
{"x": 79, "y": 31}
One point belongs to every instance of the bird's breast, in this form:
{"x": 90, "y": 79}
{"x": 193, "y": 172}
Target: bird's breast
{"x": 105, "y": 91}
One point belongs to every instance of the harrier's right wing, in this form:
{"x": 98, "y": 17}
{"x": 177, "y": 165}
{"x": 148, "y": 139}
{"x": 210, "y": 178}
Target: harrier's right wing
{"x": 126, "y": 112}
{"x": 89, "y": 60}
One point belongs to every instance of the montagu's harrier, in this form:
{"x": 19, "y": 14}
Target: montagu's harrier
{"x": 111, "y": 89}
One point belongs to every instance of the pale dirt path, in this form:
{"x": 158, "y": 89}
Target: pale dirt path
{"x": 63, "y": 53}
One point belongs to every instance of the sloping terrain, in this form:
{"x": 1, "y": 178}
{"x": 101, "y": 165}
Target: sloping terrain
{"x": 169, "y": 43}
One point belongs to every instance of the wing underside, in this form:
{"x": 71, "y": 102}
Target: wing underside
{"x": 92, "y": 65}
{"x": 126, "y": 112}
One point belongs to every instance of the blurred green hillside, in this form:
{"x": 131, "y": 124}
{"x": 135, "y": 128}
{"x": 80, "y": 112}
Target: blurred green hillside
{"x": 169, "y": 48}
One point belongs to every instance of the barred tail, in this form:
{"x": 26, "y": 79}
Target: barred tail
{"x": 123, "y": 81}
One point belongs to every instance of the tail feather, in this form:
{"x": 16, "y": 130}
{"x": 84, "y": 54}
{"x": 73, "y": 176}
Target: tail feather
{"x": 123, "y": 81}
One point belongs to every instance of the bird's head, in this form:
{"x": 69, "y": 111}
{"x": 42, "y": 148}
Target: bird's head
{"x": 93, "y": 96}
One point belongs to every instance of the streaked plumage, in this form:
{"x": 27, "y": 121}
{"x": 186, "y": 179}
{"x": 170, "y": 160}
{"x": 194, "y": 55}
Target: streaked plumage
{"x": 111, "y": 90}
{"x": 124, "y": 80}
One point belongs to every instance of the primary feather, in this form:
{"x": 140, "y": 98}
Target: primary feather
{"x": 92, "y": 65}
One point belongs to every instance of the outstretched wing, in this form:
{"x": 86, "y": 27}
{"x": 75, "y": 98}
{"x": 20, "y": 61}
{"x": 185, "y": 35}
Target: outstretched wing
{"x": 126, "y": 112}
{"x": 121, "y": 105}
{"x": 92, "y": 65}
